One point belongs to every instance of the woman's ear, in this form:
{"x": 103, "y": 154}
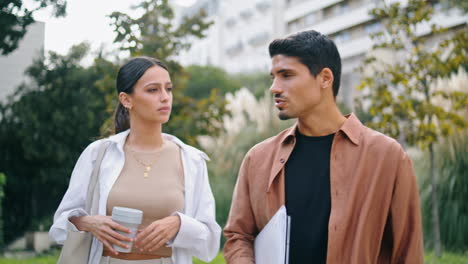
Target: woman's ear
{"x": 326, "y": 77}
{"x": 125, "y": 100}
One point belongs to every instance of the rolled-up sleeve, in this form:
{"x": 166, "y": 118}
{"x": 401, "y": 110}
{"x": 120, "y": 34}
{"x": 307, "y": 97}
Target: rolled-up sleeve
{"x": 406, "y": 226}
{"x": 240, "y": 228}
{"x": 199, "y": 233}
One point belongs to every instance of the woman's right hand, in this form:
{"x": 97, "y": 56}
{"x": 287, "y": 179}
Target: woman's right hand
{"x": 104, "y": 229}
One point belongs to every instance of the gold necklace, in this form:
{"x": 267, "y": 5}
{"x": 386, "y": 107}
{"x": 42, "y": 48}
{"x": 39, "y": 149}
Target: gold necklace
{"x": 147, "y": 167}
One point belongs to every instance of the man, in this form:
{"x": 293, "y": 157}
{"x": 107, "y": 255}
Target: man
{"x": 350, "y": 191}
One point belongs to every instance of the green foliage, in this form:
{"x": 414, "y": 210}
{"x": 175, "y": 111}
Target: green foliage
{"x": 463, "y": 5}
{"x": 452, "y": 164}
{"x": 447, "y": 258}
{"x": 203, "y": 79}
{"x": 38, "y": 260}
{"x": 218, "y": 260}
{"x": 43, "y": 129}
{"x": 15, "y": 18}
{"x": 2, "y": 194}
{"x": 256, "y": 82}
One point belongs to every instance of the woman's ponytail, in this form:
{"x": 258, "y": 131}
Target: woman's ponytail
{"x": 122, "y": 119}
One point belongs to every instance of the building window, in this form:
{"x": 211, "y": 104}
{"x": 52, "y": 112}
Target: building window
{"x": 231, "y": 22}
{"x": 310, "y": 19}
{"x": 234, "y": 49}
{"x": 295, "y": 25}
{"x": 263, "y": 6}
{"x": 259, "y": 38}
{"x": 341, "y": 9}
{"x": 246, "y": 14}
{"x": 342, "y": 37}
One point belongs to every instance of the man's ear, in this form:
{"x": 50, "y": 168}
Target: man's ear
{"x": 326, "y": 78}
{"x": 125, "y": 100}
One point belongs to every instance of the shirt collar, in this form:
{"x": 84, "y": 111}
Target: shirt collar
{"x": 351, "y": 128}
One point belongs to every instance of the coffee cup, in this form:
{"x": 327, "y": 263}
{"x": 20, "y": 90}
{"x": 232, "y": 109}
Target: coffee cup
{"x": 130, "y": 218}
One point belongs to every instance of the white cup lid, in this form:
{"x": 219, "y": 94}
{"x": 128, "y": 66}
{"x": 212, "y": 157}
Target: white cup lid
{"x": 127, "y": 215}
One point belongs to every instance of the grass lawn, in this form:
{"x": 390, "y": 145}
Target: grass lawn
{"x": 218, "y": 260}
{"x": 447, "y": 258}
{"x": 52, "y": 259}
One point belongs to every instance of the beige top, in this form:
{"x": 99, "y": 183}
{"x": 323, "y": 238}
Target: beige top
{"x": 159, "y": 194}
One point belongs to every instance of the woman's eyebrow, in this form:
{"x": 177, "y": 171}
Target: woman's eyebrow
{"x": 157, "y": 83}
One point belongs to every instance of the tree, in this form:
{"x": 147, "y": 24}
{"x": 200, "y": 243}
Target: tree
{"x": 451, "y": 166}
{"x": 256, "y": 82}
{"x": 203, "y": 79}
{"x": 154, "y": 34}
{"x": 15, "y": 17}
{"x": 463, "y": 5}
{"x": 2, "y": 194}
{"x": 403, "y": 100}
{"x": 43, "y": 130}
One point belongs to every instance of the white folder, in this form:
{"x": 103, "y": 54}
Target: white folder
{"x": 272, "y": 243}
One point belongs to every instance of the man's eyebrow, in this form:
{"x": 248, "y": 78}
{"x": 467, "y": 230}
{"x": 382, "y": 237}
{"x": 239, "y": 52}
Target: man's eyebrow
{"x": 281, "y": 71}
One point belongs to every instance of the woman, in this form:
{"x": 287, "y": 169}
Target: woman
{"x": 148, "y": 170}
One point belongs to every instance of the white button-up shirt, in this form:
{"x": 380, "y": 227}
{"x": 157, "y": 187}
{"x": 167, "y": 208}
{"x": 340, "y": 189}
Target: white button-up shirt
{"x": 199, "y": 233}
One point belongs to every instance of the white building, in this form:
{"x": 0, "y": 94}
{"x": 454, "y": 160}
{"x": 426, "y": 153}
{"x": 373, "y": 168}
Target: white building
{"x": 238, "y": 41}
{"x": 13, "y": 65}
{"x": 239, "y": 37}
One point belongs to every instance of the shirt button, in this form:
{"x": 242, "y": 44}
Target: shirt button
{"x": 282, "y": 160}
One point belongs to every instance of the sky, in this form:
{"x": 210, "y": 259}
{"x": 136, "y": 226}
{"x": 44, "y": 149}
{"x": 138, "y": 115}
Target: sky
{"x": 86, "y": 20}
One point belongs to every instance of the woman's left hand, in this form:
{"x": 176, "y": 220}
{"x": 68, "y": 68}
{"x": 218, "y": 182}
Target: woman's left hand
{"x": 158, "y": 233}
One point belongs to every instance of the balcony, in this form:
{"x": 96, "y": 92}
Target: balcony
{"x": 230, "y": 22}
{"x": 352, "y": 18}
{"x": 259, "y": 38}
{"x": 299, "y": 10}
{"x": 361, "y": 45}
{"x": 246, "y": 14}
{"x": 235, "y": 49}
{"x": 263, "y": 5}
{"x": 354, "y": 47}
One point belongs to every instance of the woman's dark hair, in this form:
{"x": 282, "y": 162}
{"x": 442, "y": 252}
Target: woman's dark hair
{"x": 314, "y": 50}
{"x": 128, "y": 75}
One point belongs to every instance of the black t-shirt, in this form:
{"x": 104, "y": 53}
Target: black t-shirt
{"x": 308, "y": 198}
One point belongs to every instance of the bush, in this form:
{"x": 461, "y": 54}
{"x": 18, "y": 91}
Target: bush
{"x": 2, "y": 183}
{"x": 451, "y": 167}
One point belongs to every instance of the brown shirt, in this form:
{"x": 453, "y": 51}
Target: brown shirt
{"x": 158, "y": 195}
{"x": 375, "y": 215}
